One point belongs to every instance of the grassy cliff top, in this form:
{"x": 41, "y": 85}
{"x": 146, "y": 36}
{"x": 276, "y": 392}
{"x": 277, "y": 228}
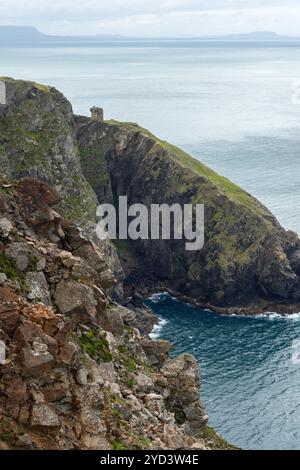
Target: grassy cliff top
{"x": 17, "y": 83}
{"x": 231, "y": 190}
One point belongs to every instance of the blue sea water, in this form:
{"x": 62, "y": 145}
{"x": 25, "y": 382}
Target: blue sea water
{"x": 230, "y": 105}
{"x": 250, "y": 381}
{"x": 235, "y": 107}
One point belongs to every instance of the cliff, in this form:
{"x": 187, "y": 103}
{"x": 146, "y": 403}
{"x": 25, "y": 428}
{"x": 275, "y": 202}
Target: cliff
{"x": 249, "y": 263}
{"x": 37, "y": 139}
{"x": 78, "y": 373}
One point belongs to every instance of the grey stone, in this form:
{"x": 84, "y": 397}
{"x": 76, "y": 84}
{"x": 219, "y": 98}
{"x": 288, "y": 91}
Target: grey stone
{"x": 71, "y": 295}
{"x": 39, "y": 289}
{"x": 5, "y": 228}
{"x": 44, "y": 416}
{"x": 3, "y": 279}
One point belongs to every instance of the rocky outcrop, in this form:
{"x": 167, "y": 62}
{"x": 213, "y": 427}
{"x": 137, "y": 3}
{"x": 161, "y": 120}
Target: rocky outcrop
{"x": 248, "y": 262}
{"x": 78, "y": 373}
{"x": 37, "y": 139}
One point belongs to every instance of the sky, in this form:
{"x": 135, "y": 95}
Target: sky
{"x": 153, "y": 17}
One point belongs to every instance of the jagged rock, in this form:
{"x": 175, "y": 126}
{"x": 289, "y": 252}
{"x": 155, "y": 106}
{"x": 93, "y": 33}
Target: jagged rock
{"x": 25, "y": 257}
{"x": 111, "y": 320}
{"x": 89, "y": 252}
{"x": 144, "y": 383}
{"x": 182, "y": 374}
{"x": 39, "y": 289}
{"x": 71, "y": 295}
{"x": 35, "y": 363}
{"x": 25, "y": 442}
{"x": 55, "y": 392}
{"x": 90, "y": 418}
{"x": 5, "y": 228}
{"x": 172, "y": 438}
{"x": 16, "y": 389}
{"x": 156, "y": 351}
{"x": 44, "y": 416}
{"x": 67, "y": 259}
{"x": 67, "y": 352}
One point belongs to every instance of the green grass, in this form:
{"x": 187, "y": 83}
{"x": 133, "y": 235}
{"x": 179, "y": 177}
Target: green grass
{"x": 233, "y": 191}
{"x": 16, "y": 83}
{"x": 117, "y": 444}
{"x": 96, "y": 348}
{"x": 130, "y": 126}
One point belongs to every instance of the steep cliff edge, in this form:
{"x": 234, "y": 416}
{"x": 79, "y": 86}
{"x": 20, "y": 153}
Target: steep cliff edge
{"x": 37, "y": 139}
{"x": 249, "y": 263}
{"x": 78, "y": 373}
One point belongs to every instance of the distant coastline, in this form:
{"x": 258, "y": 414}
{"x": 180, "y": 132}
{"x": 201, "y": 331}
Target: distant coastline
{"x": 17, "y": 34}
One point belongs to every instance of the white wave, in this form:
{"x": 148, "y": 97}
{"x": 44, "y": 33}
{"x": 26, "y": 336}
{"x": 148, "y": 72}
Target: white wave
{"x": 271, "y": 316}
{"x": 155, "y": 298}
{"x": 157, "y": 328}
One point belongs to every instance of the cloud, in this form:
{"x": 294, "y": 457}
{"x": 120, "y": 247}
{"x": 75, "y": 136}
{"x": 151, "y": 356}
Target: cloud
{"x": 153, "y": 17}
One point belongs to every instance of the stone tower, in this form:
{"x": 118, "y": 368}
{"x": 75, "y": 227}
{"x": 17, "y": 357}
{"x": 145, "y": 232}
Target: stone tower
{"x": 97, "y": 114}
{"x": 3, "y": 100}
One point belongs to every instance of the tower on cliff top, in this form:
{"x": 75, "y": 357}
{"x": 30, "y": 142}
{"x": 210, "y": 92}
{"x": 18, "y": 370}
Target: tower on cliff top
{"x": 3, "y": 100}
{"x": 97, "y": 114}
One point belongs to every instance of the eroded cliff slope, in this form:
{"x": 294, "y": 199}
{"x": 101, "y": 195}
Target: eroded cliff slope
{"x": 249, "y": 263}
{"x": 78, "y": 373}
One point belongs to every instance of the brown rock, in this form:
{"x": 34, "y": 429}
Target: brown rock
{"x": 35, "y": 363}
{"x": 157, "y": 352}
{"x": 55, "y": 392}
{"x": 24, "y": 414}
{"x": 67, "y": 352}
{"x": 111, "y": 320}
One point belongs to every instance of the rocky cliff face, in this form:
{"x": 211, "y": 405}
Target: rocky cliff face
{"x": 78, "y": 373}
{"x": 248, "y": 263}
{"x": 37, "y": 139}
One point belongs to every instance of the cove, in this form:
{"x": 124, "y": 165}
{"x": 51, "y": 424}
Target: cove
{"x": 250, "y": 384}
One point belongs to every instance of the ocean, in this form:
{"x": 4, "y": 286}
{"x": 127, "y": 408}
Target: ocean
{"x": 236, "y": 107}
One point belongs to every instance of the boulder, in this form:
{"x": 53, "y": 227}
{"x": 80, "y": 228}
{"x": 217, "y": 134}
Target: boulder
{"x": 38, "y": 286}
{"x": 157, "y": 352}
{"x": 71, "y": 296}
{"x": 111, "y": 320}
{"x": 36, "y": 362}
{"x": 25, "y": 257}
{"x": 6, "y": 228}
{"x": 44, "y": 416}
{"x": 182, "y": 374}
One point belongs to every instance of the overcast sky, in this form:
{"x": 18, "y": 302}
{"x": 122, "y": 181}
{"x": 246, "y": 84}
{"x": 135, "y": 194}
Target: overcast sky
{"x": 153, "y": 17}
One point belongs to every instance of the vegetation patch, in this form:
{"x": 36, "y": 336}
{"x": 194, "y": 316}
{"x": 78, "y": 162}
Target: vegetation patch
{"x": 215, "y": 441}
{"x": 8, "y": 267}
{"x": 96, "y": 348}
{"x": 118, "y": 444}
{"x": 126, "y": 359}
